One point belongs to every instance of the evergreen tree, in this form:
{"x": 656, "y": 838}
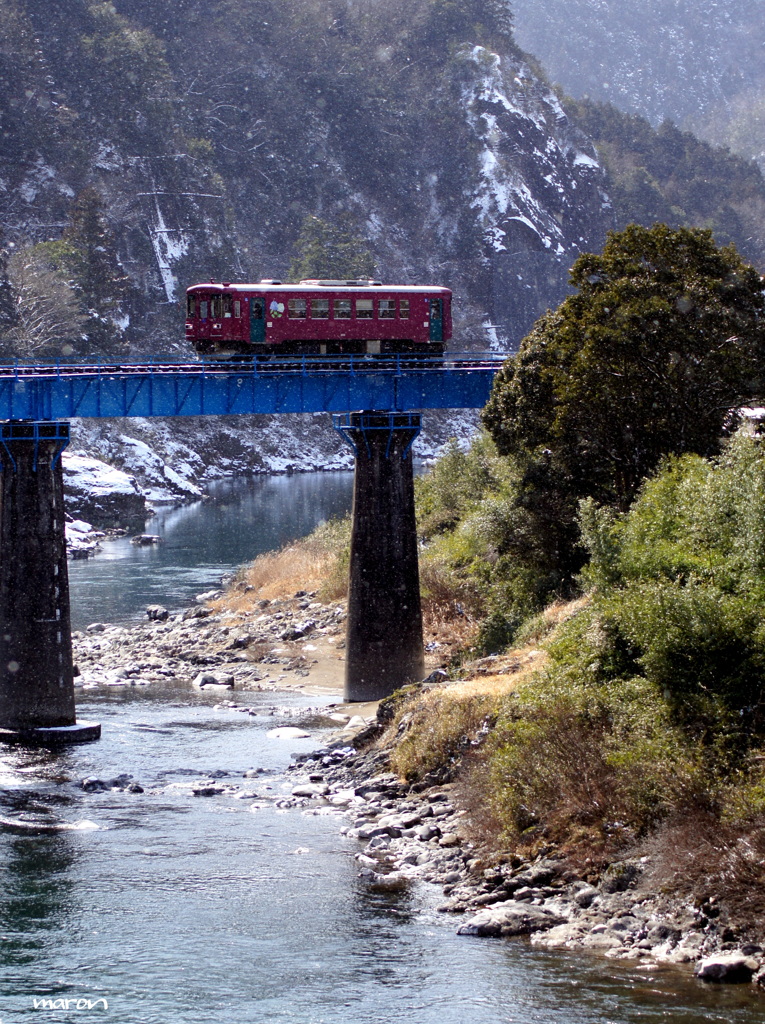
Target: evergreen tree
{"x": 671, "y": 176}
{"x": 663, "y": 338}
{"x": 89, "y": 253}
{"x": 331, "y": 250}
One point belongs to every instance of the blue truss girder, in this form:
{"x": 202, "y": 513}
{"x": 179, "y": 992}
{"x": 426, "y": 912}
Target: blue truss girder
{"x": 287, "y": 385}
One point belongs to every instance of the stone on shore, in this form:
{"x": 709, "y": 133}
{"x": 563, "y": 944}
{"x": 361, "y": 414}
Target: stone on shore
{"x": 509, "y": 918}
{"x": 311, "y": 790}
{"x": 733, "y": 968}
{"x": 207, "y": 680}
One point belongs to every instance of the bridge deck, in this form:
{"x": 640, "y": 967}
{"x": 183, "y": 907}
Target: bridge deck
{"x": 286, "y": 384}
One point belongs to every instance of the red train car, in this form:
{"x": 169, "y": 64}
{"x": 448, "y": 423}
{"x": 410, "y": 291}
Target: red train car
{"x": 317, "y": 317}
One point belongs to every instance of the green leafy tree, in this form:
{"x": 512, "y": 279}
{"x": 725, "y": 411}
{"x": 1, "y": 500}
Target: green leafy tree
{"x": 679, "y": 583}
{"x": 662, "y": 339}
{"x": 331, "y": 250}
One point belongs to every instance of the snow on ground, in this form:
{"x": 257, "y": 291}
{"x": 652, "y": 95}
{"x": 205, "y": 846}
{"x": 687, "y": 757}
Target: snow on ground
{"x": 82, "y": 539}
{"x": 114, "y": 467}
{"x": 83, "y": 473}
{"x": 100, "y": 493}
{"x": 160, "y": 481}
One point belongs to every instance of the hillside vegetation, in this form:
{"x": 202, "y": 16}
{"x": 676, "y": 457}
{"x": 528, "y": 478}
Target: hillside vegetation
{"x": 696, "y": 63}
{"x": 605, "y": 694}
{"x": 146, "y": 146}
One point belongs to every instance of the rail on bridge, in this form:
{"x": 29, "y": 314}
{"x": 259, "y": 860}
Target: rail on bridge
{"x": 384, "y": 642}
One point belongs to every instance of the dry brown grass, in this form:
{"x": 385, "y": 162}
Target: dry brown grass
{"x": 452, "y": 634}
{"x": 441, "y": 726}
{"x": 446, "y": 725}
{"x": 553, "y": 616}
{"x": 717, "y": 864}
{"x": 314, "y": 563}
{"x": 505, "y": 680}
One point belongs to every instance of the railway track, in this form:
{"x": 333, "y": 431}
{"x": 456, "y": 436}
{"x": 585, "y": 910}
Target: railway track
{"x": 272, "y": 364}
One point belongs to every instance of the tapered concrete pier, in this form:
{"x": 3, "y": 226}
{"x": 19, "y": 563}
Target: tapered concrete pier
{"x": 384, "y": 646}
{"x": 36, "y": 674}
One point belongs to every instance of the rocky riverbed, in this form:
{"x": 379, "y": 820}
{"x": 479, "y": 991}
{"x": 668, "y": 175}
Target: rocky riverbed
{"x": 295, "y": 642}
{"x": 417, "y": 833}
{"x": 405, "y": 833}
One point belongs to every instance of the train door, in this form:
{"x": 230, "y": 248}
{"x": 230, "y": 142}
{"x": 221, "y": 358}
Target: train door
{"x": 436, "y": 319}
{"x": 257, "y": 320}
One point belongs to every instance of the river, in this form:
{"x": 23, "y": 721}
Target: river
{"x": 176, "y": 909}
{"x": 202, "y": 542}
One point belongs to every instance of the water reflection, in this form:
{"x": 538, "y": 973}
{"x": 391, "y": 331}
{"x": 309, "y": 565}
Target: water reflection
{"x": 202, "y": 542}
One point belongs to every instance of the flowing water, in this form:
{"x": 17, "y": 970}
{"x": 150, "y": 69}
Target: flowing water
{"x": 163, "y": 907}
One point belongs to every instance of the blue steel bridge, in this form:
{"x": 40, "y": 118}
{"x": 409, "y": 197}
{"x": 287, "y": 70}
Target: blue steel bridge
{"x": 283, "y": 384}
{"x": 384, "y": 646}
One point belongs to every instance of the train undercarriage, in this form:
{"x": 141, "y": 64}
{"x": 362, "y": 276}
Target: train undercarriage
{"x": 262, "y": 352}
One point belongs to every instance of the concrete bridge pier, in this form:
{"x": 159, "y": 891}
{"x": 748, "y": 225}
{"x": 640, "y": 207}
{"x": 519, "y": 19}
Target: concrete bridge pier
{"x": 36, "y": 674}
{"x": 384, "y": 647}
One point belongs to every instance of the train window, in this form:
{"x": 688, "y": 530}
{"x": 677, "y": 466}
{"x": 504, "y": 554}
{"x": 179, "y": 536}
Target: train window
{"x": 215, "y": 307}
{"x": 403, "y": 309}
{"x": 342, "y": 309}
{"x": 297, "y": 309}
{"x": 191, "y": 306}
{"x": 203, "y": 309}
{"x": 435, "y": 309}
{"x": 237, "y": 308}
{"x": 227, "y": 305}
{"x": 320, "y": 309}
{"x": 364, "y": 309}
{"x": 387, "y": 309}
{"x": 256, "y": 309}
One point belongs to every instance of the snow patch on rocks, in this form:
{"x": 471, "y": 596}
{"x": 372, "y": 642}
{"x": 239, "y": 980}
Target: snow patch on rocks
{"x": 98, "y": 493}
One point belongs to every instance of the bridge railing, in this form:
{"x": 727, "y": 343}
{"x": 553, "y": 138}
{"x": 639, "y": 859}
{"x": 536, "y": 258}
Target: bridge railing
{"x": 396, "y": 363}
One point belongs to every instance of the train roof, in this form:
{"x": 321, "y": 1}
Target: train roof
{"x": 318, "y": 285}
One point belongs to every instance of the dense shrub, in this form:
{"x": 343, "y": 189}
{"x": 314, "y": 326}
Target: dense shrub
{"x": 585, "y": 764}
{"x": 680, "y": 580}
{"x": 491, "y": 540}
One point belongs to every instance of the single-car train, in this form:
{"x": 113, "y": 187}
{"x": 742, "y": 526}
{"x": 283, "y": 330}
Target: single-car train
{"x": 363, "y": 317}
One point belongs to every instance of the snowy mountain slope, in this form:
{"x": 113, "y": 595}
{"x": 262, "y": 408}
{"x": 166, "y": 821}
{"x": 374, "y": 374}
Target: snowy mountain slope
{"x": 687, "y": 60}
{"x": 445, "y": 149}
{"x": 138, "y": 461}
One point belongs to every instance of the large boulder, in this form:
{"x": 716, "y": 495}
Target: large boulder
{"x": 728, "y": 967}
{"x": 101, "y": 494}
{"x": 510, "y": 918}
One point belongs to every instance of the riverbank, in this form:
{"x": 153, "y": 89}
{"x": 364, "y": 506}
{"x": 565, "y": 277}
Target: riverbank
{"x": 627, "y": 897}
{"x": 423, "y": 832}
{"x": 290, "y": 643}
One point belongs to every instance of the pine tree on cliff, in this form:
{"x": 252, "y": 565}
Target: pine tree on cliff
{"x": 331, "y": 250}
{"x": 100, "y": 280}
{"x": 7, "y": 303}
